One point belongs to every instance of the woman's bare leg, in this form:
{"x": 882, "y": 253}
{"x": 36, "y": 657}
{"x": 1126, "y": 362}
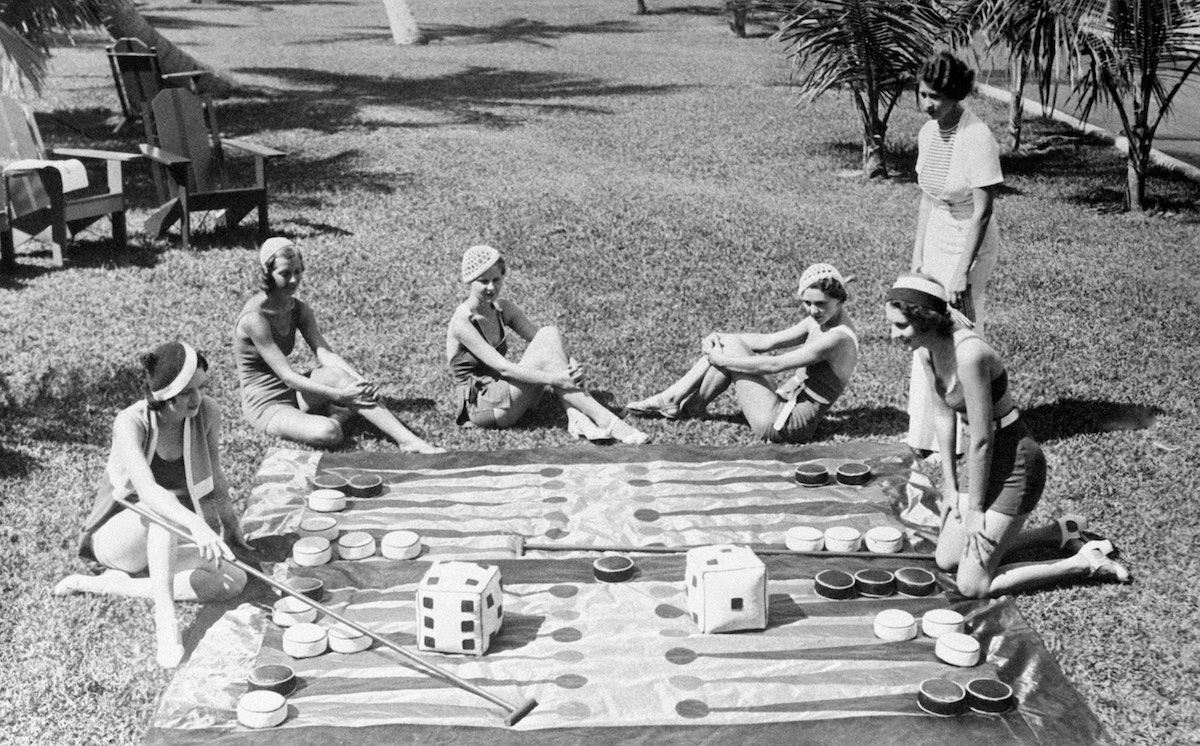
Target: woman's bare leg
{"x": 326, "y": 431}
{"x": 755, "y": 393}
{"x": 993, "y": 577}
{"x": 547, "y": 351}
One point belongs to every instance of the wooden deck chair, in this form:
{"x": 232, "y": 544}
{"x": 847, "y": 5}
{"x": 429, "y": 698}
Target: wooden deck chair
{"x": 182, "y": 139}
{"x": 49, "y": 199}
{"x": 138, "y": 77}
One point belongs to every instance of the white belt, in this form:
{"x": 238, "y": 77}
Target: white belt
{"x": 790, "y": 405}
{"x": 1013, "y": 415}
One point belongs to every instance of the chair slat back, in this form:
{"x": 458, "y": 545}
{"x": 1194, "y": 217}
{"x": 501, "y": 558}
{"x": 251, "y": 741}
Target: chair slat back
{"x": 181, "y": 127}
{"x": 19, "y": 140}
{"x": 137, "y": 74}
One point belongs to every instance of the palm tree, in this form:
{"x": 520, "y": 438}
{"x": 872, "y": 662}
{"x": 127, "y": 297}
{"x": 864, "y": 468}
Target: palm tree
{"x": 1139, "y": 55}
{"x": 26, "y": 26}
{"x": 872, "y": 48}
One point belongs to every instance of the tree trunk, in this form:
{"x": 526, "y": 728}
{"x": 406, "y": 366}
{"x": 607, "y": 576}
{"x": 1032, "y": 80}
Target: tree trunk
{"x": 641, "y": 7}
{"x": 874, "y": 156}
{"x": 404, "y": 25}
{"x": 122, "y": 19}
{"x": 1136, "y": 170}
{"x": 1016, "y": 108}
{"x": 737, "y": 19}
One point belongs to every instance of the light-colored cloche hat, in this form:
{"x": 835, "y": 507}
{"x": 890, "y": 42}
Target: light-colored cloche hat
{"x": 817, "y": 272}
{"x": 271, "y": 247}
{"x": 477, "y": 260}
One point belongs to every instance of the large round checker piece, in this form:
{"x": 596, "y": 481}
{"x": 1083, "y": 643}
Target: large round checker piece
{"x": 328, "y": 481}
{"x": 400, "y": 545}
{"x": 957, "y": 649}
{"x": 875, "y": 583}
{"x": 305, "y": 640}
{"x": 895, "y": 625}
{"x": 356, "y": 545}
{"x": 942, "y": 697}
{"x": 811, "y": 474}
{"x": 854, "y": 474}
{"x": 325, "y": 526}
{"x": 834, "y": 584}
{"x": 273, "y": 677}
{"x": 915, "y": 581}
{"x": 613, "y": 568}
{"x": 843, "y": 539}
{"x": 326, "y": 501}
{"x": 312, "y": 551}
{"x": 884, "y": 539}
{"x": 804, "y": 539}
{"x": 366, "y": 485}
{"x": 989, "y": 696}
{"x": 261, "y": 709}
{"x": 313, "y": 588}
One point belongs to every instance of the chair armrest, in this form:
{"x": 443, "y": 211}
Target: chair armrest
{"x": 101, "y": 155}
{"x": 262, "y": 151}
{"x": 186, "y": 75}
{"x": 164, "y": 157}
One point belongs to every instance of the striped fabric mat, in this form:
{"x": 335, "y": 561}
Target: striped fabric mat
{"x": 611, "y": 663}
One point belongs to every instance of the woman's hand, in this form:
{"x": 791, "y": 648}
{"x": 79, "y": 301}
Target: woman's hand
{"x": 210, "y": 545}
{"x": 359, "y": 393}
{"x": 563, "y": 378}
{"x": 978, "y": 542}
{"x": 232, "y": 534}
{"x": 710, "y": 342}
{"x": 575, "y": 369}
{"x": 956, "y": 288}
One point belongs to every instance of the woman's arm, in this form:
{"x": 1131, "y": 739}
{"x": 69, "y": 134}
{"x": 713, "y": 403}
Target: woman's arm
{"x": 763, "y": 342}
{"x": 918, "y": 256}
{"x": 127, "y": 448}
{"x": 465, "y": 333}
{"x": 812, "y": 351}
{"x": 258, "y": 329}
{"x": 227, "y": 520}
{"x": 981, "y": 217}
{"x": 974, "y": 375}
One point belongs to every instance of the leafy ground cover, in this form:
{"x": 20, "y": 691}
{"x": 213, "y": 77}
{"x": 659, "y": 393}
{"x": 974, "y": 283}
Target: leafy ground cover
{"x": 651, "y": 179}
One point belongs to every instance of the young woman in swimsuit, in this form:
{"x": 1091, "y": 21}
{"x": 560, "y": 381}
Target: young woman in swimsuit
{"x": 281, "y": 401}
{"x": 164, "y": 455}
{"x": 1006, "y": 470}
{"x": 492, "y": 391}
{"x": 824, "y": 353}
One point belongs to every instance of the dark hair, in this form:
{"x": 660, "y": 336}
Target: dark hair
{"x": 149, "y": 362}
{"x": 266, "y": 279}
{"x": 948, "y": 75}
{"x": 924, "y": 320}
{"x": 831, "y": 288}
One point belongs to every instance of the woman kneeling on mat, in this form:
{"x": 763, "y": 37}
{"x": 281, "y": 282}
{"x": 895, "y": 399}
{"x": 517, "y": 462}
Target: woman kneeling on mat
{"x": 824, "y": 360}
{"x": 277, "y": 399}
{"x": 164, "y": 455}
{"x": 493, "y": 392}
{"x": 1006, "y": 470}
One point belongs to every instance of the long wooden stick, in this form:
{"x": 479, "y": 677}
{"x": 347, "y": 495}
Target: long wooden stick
{"x": 514, "y": 712}
{"x": 679, "y": 550}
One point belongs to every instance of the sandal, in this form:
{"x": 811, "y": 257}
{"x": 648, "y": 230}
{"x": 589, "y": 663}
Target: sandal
{"x": 582, "y": 426}
{"x": 1071, "y": 527}
{"x": 655, "y": 406}
{"x": 1100, "y": 565}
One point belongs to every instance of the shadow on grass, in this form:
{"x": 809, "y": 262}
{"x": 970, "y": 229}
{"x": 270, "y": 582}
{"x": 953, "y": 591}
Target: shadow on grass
{"x": 864, "y": 422}
{"x": 477, "y": 95}
{"x": 689, "y": 10}
{"x": 524, "y": 30}
{"x": 1069, "y": 417}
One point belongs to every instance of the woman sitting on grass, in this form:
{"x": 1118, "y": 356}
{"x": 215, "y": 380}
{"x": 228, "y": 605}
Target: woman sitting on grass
{"x": 1006, "y": 470}
{"x": 492, "y": 391}
{"x": 276, "y": 398}
{"x": 824, "y": 356}
{"x": 164, "y": 455}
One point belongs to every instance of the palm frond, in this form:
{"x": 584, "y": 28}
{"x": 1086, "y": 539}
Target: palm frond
{"x": 20, "y": 60}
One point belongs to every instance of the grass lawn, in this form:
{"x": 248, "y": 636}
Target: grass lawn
{"x": 650, "y": 179}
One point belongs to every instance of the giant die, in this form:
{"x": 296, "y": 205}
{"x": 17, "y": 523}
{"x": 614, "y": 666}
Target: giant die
{"x": 460, "y": 606}
{"x": 726, "y": 588}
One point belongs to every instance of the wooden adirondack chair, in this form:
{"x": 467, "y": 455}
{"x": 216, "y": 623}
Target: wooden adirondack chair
{"x": 37, "y": 202}
{"x": 182, "y": 139}
{"x": 138, "y": 77}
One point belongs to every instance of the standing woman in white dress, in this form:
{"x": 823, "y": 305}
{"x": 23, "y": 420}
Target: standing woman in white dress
{"x": 958, "y": 170}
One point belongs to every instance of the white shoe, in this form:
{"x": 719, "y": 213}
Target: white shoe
{"x": 581, "y": 426}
